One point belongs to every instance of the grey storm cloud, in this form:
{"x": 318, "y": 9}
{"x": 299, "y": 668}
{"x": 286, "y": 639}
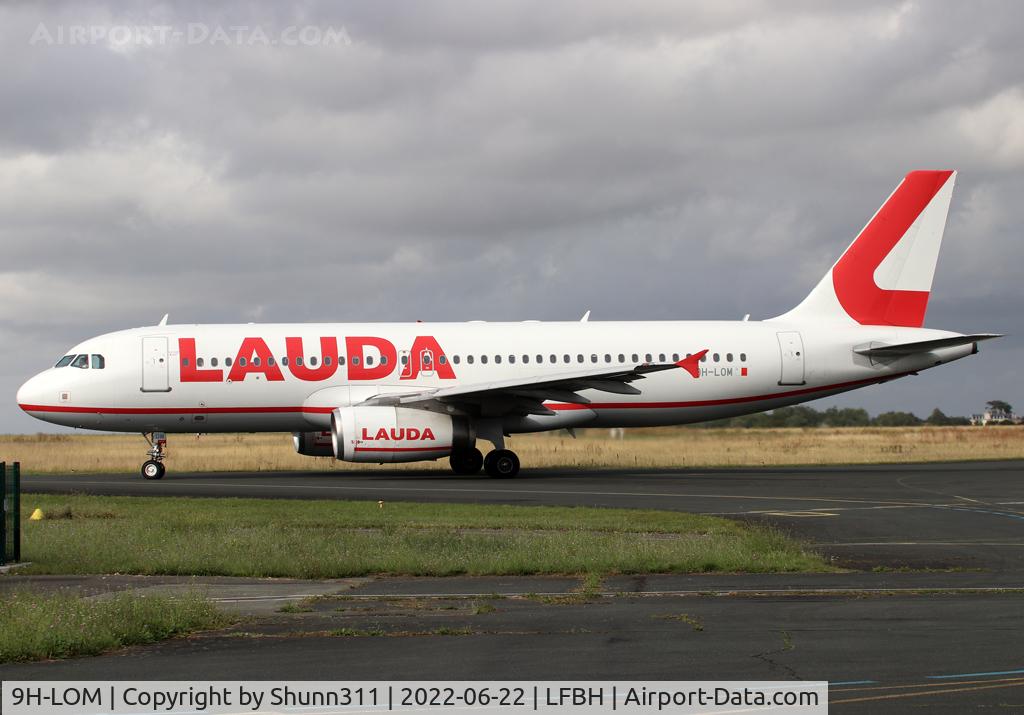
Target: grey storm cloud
{"x": 501, "y": 160}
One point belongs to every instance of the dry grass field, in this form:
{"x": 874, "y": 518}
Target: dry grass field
{"x": 594, "y": 449}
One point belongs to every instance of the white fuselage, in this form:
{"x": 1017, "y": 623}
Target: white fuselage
{"x": 151, "y": 381}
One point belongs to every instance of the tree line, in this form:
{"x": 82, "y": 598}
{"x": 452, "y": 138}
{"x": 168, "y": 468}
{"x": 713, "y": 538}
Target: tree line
{"x": 803, "y": 416}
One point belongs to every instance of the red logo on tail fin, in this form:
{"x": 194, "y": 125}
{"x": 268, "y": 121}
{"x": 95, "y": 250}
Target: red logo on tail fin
{"x": 854, "y": 275}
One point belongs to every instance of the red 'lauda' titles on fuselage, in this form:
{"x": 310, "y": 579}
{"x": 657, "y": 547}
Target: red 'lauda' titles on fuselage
{"x": 254, "y": 356}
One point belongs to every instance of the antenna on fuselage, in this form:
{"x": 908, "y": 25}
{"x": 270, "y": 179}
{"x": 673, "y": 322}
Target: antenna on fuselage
{"x": 163, "y": 320}
{"x": 586, "y": 317}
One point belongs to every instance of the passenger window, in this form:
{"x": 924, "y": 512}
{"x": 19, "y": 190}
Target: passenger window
{"x": 384, "y": 359}
{"x": 328, "y": 359}
{"x": 554, "y": 359}
{"x": 497, "y": 359}
{"x": 227, "y": 362}
{"x": 675, "y": 357}
{"x": 184, "y": 363}
{"x": 648, "y": 358}
{"x": 341, "y": 359}
{"x": 405, "y": 360}
{"x": 369, "y": 361}
{"x": 579, "y": 357}
{"x": 593, "y": 357}
{"x": 607, "y": 357}
{"x": 441, "y": 359}
{"x": 456, "y": 359}
{"x": 743, "y": 357}
{"x": 661, "y": 357}
{"x": 355, "y": 360}
{"x": 98, "y": 363}
{"x": 540, "y": 358}
{"x": 284, "y": 361}
{"x": 483, "y": 359}
{"x": 622, "y": 358}
{"x": 213, "y": 362}
{"x": 728, "y": 357}
{"x": 199, "y": 362}
{"x": 298, "y": 361}
{"x": 242, "y": 362}
{"x": 65, "y": 361}
{"x": 511, "y": 359}
{"x": 256, "y": 362}
{"x": 312, "y": 361}
{"x": 271, "y": 362}
{"x": 715, "y": 357}
{"x": 565, "y": 358}
{"x": 469, "y": 359}
{"x": 636, "y": 358}
{"x": 704, "y": 357}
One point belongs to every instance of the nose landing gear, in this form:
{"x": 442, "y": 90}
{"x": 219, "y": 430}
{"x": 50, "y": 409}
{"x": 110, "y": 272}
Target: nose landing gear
{"x": 153, "y": 468}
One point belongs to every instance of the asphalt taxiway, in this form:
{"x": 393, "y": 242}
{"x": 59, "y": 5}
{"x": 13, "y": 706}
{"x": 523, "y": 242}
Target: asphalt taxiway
{"x": 929, "y": 616}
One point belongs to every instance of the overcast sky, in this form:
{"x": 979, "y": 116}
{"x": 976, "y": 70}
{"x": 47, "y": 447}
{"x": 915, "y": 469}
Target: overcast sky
{"x": 501, "y": 161}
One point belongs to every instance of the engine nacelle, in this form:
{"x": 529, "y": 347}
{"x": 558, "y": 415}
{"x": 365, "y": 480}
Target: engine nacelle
{"x": 314, "y": 444}
{"x": 397, "y": 434}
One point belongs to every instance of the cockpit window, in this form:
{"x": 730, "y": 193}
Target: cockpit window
{"x": 81, "y": 361}
{"x": 65, "y": 361}
{"x": 98, "y": 362}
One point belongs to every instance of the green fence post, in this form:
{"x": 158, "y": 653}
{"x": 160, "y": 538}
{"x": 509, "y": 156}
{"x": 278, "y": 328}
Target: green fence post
{"x": 16, "y": 506}
{"x": 3, "y": 513}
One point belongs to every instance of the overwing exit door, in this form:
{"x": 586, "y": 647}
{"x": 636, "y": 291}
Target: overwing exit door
{"x": 155, "y": 368}
{"x": 791, "y": 349}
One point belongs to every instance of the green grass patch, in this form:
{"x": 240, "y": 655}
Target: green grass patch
{"x": 330, "y": 539}
{"x": 35, "y": 626}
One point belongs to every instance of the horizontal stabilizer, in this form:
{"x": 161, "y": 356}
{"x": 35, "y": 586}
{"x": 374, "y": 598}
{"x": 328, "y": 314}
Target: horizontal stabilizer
{"x": 922, "y": 346}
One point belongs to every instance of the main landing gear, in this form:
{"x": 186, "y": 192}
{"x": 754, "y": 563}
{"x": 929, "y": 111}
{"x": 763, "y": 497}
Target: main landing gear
{"x": 153, "y": 468}
{"x": 499, "y": 463}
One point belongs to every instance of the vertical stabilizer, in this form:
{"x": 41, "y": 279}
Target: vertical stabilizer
{"x": 885, "y": 276}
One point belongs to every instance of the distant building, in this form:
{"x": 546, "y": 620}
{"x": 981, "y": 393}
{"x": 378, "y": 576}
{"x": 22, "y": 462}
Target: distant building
{"x": 996, "y": 417}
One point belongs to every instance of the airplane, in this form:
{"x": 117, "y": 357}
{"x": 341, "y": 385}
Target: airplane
{"x": 403, "y": 392}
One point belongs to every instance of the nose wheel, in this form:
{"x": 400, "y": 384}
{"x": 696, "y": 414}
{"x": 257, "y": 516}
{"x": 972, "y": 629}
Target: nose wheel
{"x": 501, "y": 463}
{"x": 153, "y": 468}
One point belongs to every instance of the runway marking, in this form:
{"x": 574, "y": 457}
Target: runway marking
{"x": 852, "y": 682}
{"x": 893, "y": 696}
{"x": 1008, "y": 514}
{"x": 799, "y": 514}
{"x": 975, "y": 675}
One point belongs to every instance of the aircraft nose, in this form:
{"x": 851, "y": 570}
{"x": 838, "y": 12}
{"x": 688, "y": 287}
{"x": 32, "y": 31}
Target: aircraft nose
{"x": 30, "y": 393}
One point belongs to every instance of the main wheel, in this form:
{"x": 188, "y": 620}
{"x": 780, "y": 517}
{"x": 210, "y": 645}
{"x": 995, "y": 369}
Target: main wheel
{"x": 466, "y": 461}
{"x": 502, "y": 463}
{"x": 152, "y": 469}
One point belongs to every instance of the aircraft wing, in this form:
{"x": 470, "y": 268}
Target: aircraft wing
{"x": 527, "y": 395}
{"x": 922, "y": 346}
